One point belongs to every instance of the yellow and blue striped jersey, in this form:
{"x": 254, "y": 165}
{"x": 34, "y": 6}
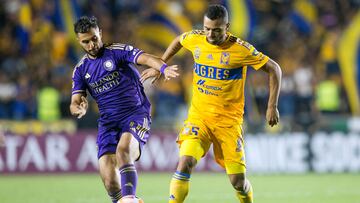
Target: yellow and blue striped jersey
{"x": 219, "y": 76}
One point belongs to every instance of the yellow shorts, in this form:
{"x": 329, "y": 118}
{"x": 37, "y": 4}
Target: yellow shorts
{"x": 197, "y": 135}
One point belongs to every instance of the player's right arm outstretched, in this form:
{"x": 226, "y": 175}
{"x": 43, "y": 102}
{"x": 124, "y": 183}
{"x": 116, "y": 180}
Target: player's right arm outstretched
{"x": 156, "y": 63}
{"x": 172, "y": 49}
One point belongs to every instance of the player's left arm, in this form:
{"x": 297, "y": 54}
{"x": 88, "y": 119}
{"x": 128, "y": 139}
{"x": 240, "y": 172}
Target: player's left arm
{"x": 274, "y": 71}
{"x": 156, "y": 63}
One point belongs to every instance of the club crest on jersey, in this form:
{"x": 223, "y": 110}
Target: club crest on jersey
{"x": 108, "y": 65}
{"x": 225, "y": 58}
{"x": 197, "y": 53}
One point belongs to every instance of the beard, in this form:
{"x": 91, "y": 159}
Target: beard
{"x": 93, "y": 53}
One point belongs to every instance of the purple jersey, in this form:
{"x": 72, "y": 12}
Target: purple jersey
{"x": 113, "y": 81}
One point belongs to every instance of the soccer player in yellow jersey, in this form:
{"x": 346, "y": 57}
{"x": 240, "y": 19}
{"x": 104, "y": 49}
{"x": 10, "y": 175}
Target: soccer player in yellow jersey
{"x": 217, "y": 107}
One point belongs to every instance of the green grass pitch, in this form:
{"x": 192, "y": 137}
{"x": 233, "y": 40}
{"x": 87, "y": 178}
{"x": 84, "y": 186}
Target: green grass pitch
{"x": 205, "y": 188}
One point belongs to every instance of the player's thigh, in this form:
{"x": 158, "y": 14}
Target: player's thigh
{"x": 194, "y": 139}
{"x": 193, "y": 148}
{"x": 129, "y": 146}
{"x": 229, "y": 149}
{"x": 135, "y": 132}
{"x": 135, "y": 148}
{"x": 108, "y": 167}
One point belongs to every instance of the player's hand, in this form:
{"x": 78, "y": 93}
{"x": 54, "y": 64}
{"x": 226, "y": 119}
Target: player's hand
{"x": 171, "y": 72}
{"x": 150, "y": 73}
{"x": 82, "y": 108}
{"x": 272, "y": 116}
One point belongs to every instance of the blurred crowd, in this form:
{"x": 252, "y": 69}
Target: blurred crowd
{"x": 38, "y": 51}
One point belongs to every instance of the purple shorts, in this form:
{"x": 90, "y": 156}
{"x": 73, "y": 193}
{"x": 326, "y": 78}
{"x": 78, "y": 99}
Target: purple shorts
{"x": 109, "y": 135}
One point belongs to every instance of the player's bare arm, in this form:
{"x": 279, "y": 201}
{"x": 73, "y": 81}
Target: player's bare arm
{"x": 274, "y": 71}
{"x": 172, "y": 49}
{"x": 156, "y": 63}
{"x": 79, "y": 105}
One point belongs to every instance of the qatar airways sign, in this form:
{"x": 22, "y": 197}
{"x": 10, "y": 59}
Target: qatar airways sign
{"x": 286, "y": 153}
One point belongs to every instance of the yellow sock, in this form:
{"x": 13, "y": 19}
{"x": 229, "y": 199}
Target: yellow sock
{"x": 179, "y": 187}
{"x": 247, "y": 195}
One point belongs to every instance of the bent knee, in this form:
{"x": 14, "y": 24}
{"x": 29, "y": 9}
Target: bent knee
{"x": 239, "y": 186}
{"x": 239, "y": 182}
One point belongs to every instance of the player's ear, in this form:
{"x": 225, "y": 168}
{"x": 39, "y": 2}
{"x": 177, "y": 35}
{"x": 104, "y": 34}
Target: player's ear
{"x": 227, "y": 26}
{"x": 100, "y": 32}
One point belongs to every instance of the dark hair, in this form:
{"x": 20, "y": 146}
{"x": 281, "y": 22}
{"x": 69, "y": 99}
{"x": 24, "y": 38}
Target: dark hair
{"x": 216, "y": 11}
{"x": 84, "y": 24}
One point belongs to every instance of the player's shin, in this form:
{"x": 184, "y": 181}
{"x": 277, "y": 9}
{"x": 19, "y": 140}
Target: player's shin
{"x": 128, "y": 180}
{"x": 245, "y": 195}
{"x": 179, "y": 187}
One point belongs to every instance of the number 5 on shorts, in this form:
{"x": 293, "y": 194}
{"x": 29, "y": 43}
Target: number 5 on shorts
{"x": 195, "y": 130}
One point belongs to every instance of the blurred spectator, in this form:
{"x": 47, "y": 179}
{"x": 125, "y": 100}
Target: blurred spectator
{"x": 24, "y": 103}
{"x": 329, "y": 53}
{"x": 168, "y": 98}
{"x": 287, "y": 97}
{"x": 304, "y": 87}
{"x": 48, "y": 104}
{"x": 328, "y": 95}
{"x": 7, "y": 95}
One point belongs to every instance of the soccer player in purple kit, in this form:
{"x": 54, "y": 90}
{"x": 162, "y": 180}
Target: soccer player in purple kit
{"x": 108, "y": 73}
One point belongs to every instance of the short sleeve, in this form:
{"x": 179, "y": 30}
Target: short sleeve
{"x": 187, "y": 39}
{"x": 184, "y": 38}
{"x": 127, "y": 53}
{"x": 253, "y": 57}
{"x": 78, "y": 84}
